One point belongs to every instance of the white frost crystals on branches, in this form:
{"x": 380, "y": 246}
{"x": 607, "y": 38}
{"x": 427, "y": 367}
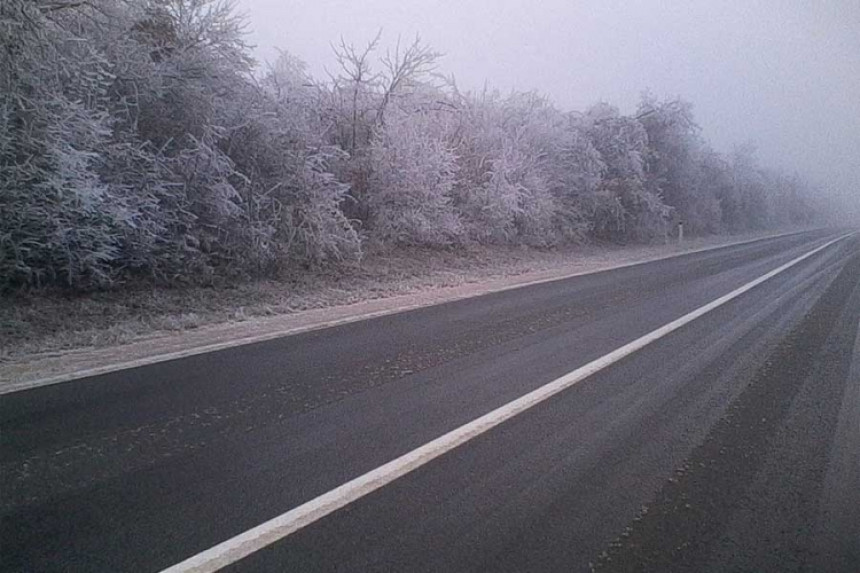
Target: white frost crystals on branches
{"x": 520, "y": 171}
{"x": 623, "y": 206}
{"x": 413, "y": 177}
{"x": 136, "y": 142}
{"x": 57, "y": 220}
{"x": 139, "y": 143}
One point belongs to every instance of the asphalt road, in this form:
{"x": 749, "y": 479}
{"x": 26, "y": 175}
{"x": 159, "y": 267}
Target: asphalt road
{"x": 730, "y": 444}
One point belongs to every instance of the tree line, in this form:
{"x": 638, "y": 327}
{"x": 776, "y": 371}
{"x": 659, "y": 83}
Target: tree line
{"x": 140, "y": 141}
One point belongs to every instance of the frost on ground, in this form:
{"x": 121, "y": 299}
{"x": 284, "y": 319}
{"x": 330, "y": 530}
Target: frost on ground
{"x": 54, "y": 336}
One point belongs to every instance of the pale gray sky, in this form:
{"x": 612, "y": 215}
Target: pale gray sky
{"x": 784, "y": 74}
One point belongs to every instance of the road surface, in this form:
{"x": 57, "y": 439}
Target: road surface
{"x": 730, "y": 443}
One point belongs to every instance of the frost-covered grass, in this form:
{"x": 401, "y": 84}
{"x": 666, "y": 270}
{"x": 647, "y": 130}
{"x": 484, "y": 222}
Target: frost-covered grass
{"x": 51, "y": 322}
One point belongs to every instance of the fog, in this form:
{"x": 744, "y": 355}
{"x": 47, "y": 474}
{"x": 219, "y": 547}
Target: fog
{"x": 783, "y": 75}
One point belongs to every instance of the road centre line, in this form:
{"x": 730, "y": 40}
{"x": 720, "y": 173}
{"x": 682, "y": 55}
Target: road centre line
{"x": 252, "y": 540}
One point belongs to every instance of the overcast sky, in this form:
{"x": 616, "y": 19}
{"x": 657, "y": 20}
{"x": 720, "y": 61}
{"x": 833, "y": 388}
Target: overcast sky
{"x": 785, "y": 75}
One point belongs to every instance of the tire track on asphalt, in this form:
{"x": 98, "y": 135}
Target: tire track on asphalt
{"x": 711, "y": 514}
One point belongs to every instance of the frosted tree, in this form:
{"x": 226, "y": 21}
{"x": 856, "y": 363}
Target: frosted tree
{"x": 282, "y": 150}
{"x": 58, "y": 224}
{"x": 351, "y": 104}
{"x": 532, "y": 127}
{"x": 406, "y": 72}
{"x": 503, "y": 191}
{"x": 357, "y": 98}
{"x": 673, "y": 162}
{"x": 412, "y": 182}
{"x": 575, "y": 171}
{"x": 623, "y": 206}
{"x": 749, "y": 188}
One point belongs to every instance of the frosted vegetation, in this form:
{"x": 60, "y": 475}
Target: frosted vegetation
{"x": 140, "y": 142}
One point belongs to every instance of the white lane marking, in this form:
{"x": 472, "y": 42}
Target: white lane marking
{"x": 254, "y": 539}
{"x": 214, "y": 347}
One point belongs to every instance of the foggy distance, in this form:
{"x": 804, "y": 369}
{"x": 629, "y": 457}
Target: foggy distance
{"x": 782, "y": 75}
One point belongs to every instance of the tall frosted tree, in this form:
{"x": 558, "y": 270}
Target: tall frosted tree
{"x": 625, "y": 207}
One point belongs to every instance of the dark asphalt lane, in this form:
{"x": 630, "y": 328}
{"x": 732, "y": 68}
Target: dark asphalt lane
{"x": 139, "y": 469}
{"x": 775, "y": 485}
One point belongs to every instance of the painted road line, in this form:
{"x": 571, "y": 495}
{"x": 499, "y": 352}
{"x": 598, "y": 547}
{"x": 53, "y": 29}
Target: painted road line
{"x": 275, "y": 529}
{"x": 8, "y": 388}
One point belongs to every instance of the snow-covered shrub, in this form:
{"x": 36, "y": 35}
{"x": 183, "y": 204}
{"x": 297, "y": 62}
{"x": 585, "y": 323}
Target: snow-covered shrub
{"x": 413, "y": 176}
{"x": 575, "y": 169}
{"x": 58, "y": 223}
{"x": 292, "y": 169}
{"x": 624, "y": 207}
{"x": 313, "y": 224}
{"x": 511, "y": 185}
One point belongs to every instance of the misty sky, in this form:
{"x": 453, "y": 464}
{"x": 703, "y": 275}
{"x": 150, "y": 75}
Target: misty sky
{"x": 785, "y": 75}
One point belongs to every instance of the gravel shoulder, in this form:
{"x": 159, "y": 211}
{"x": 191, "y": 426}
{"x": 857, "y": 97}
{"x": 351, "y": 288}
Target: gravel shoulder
{"x": 50, "y": 339}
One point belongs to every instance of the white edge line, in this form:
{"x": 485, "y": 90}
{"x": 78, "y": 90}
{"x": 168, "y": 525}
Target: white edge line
{"x": 206, "y": 348}
{"x": 254, "y": 539}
